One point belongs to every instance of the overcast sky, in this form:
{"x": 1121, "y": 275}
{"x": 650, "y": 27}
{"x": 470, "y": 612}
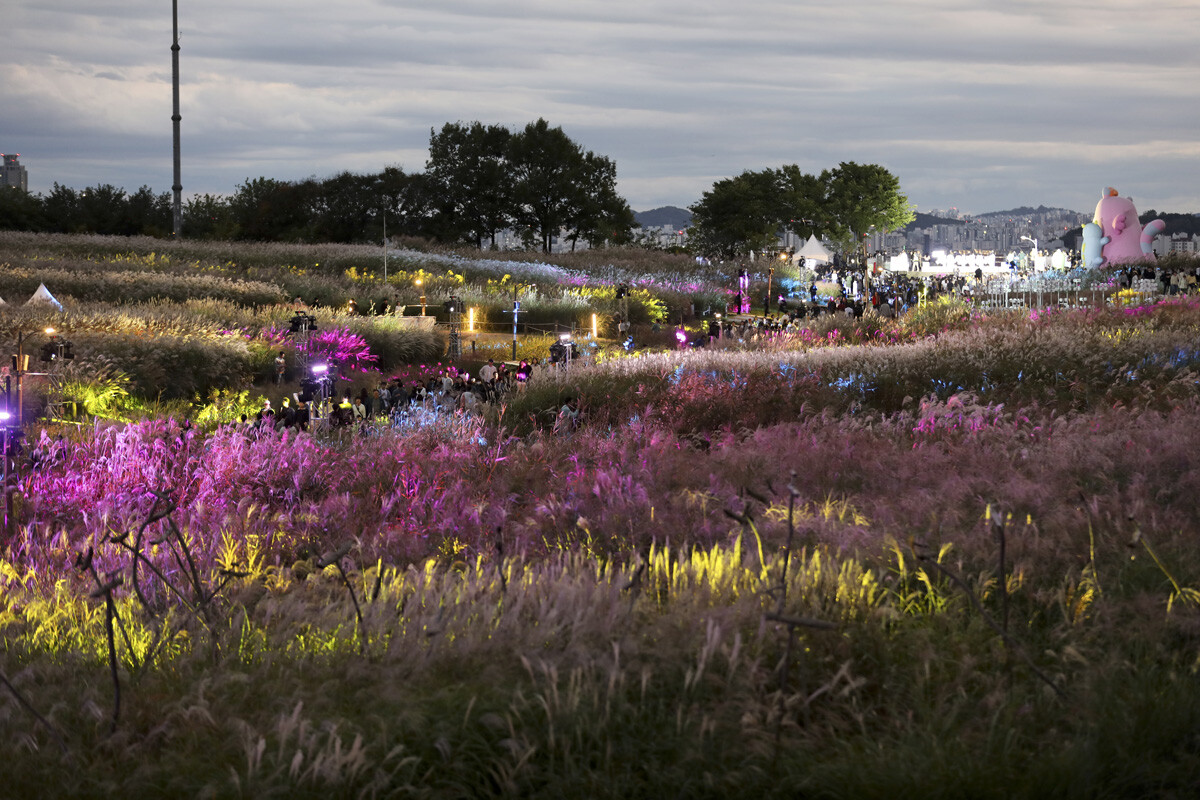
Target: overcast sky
{"x": 980, "y": 104}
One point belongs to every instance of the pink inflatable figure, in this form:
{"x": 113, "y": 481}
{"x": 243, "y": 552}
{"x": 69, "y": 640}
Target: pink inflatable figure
{"x": 1128, "y": 240}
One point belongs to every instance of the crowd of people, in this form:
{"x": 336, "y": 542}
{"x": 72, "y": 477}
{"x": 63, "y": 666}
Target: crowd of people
{"x": 393, "y": 402}
{"x": 1169, "y": 281}
{"x": 890, "y": 294}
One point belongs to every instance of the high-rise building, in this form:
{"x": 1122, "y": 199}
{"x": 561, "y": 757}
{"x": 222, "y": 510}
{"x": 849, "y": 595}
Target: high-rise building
{"x": 13, "y": 174}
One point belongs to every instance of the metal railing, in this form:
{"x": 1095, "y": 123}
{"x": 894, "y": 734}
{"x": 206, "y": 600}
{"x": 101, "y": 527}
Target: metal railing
{"x": 1037, "y": 293}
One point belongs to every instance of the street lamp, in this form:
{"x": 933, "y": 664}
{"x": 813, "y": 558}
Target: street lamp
{"x": 421, "y": 286}
{"x": 320, "y": 380}
{"x": 1034, "y": 254}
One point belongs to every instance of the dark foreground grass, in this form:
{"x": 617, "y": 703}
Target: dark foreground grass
{"x": 570, "y": 677}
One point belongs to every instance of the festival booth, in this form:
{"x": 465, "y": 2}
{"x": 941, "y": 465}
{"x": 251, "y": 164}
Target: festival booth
{"x": 42, "y": 297}
{"x": 965, "y": 263}
{"x": 812, "y": 251}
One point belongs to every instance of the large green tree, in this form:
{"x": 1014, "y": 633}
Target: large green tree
{"x": 801, "y": 201}
{"x": 560, "y": 188}
{"x": 545, "y": 169}
{"x": 859, "y": 197}
{"x": 269, "y": 210}
{"x": 739, "y": 214}
{"x": 207, "y": 217}
{"x": 751, "y": 211}
{"x": 601, "y": 215}
{"x": 345, "y": 208}
{"x": 147, "y": 213}
{"x": 480, "y": 180}
{"x": 468, "y": 171}
{"x": 20, "y": 210}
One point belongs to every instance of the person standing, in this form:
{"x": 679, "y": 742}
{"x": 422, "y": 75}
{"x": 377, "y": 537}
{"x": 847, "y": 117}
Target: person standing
{"x": 359, "y": 412}
{"x": 280, "y": 367}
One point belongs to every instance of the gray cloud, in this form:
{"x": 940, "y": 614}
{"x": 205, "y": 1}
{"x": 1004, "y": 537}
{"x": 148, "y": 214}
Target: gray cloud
{"x": 975, "y": 104}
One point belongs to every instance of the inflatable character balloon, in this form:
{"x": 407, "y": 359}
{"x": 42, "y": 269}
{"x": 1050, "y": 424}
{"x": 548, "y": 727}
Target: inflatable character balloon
{"x": 1127, "y": 239}
{"x": 1093, "y": 245}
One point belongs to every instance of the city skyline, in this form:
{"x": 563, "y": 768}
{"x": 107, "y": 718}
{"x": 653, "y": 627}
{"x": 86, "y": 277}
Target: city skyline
{"x": 971, "y": 107}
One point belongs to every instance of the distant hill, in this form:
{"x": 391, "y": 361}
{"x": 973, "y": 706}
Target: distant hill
{"x": 1027, "y": 211}
{"x": 1176, "y": 223}
{"x": 928, "y": 221}
{"x": 677, "y": 218}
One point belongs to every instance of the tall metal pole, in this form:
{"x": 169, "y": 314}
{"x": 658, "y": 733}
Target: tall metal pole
{"x": 385, "y": 246}
{"x": 20, "y": 373}
{"x": 770, "y": 281}
{"x": 177, "y": 186}
{"x": 9, "y": 465}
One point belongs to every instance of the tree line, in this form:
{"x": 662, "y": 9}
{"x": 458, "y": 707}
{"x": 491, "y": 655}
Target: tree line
{"x": 753, "y": 210}
{"x": 479, "y": 180}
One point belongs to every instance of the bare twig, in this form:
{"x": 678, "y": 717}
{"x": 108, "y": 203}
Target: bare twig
{"x": 110, "y": 612}
{"x": 25, "y": 704}
{"x": 334, "y": 559}
{"x": 500, "y": 560}
{"x": 1008, "y": 641}
{"x": 801, "y": 622}
{"x": 999, "y": 527}
{"x": 104, "y": 589}
{"x": 198, "y": 583}
{"x": 85, "y": 562}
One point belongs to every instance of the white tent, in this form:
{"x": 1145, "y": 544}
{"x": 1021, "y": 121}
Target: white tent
{"x": 812, "y": 251}
{"x": 42, "y": 297}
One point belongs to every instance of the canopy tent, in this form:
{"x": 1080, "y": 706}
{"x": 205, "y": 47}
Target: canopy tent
{"x": 812, "y": 251}
{"x": 43, "y": 297}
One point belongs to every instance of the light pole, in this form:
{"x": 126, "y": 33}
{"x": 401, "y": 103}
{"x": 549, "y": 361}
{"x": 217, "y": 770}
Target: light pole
{"x": 320, "y": 373}
{"x": 1032, "y": 255}
{"x": 516, "y": 309}
{"x": 1033, "y": 266}
{"x": 176, "y": 186}
{"x": 421, "y": 286}
{"x": 10, "y": 466}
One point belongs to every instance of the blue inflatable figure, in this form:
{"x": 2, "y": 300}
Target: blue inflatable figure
{"x": 1093, "y": 245}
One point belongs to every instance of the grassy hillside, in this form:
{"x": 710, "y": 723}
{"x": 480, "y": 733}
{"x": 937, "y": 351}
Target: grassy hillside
{"x": 950, "y": 555}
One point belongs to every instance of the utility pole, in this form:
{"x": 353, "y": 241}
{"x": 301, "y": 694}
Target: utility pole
{"x": 454, "y": 309}
{"x": 516, "y": 310}
{"x": 177, "y": 186}
{"x": 10, "y": 476}
{"x": 770, "y": 280}
{"x": 20, "y": 367}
